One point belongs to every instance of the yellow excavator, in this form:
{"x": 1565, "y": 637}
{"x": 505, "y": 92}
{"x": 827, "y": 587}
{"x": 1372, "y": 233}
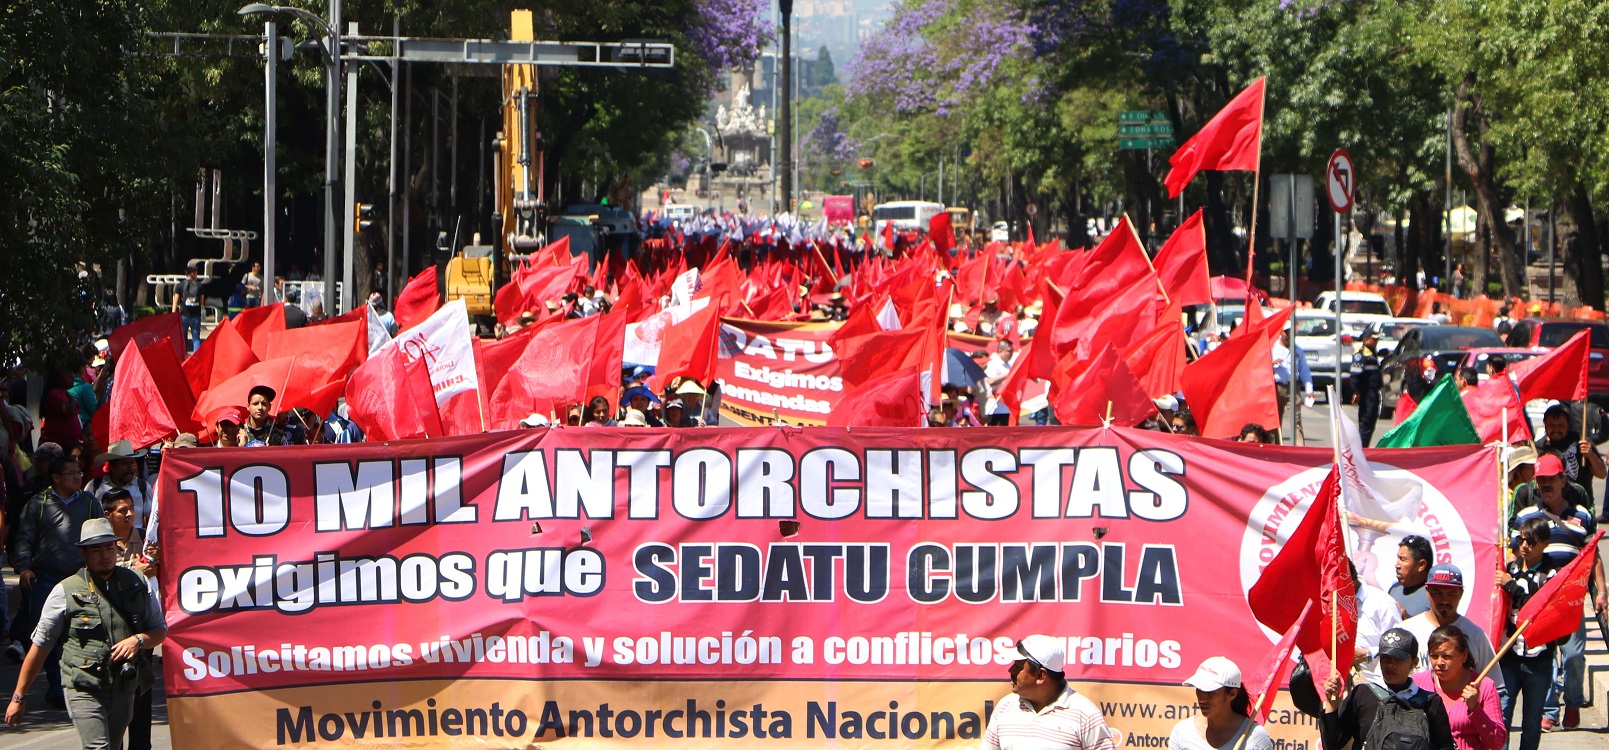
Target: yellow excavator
{"x": 521, "y": 209}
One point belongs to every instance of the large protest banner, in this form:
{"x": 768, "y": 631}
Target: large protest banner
{"x": 771, "y": 371}
{"x": 782, "y": 370}
{"x": 727, "y": 587}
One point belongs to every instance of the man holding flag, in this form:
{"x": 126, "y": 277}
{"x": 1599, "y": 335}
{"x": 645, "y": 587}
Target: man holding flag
{"x": 1570, "y": 527}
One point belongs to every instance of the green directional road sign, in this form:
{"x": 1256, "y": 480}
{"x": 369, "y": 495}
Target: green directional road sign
{"x": 1148, "y": 129}
{"x": 1137, "y": 143}
{"x": 1141, "y": 116}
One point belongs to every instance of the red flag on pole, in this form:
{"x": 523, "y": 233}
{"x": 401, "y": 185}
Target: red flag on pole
{"x": 1090, "y": 391}
{"x": 690, "y": 348}
{"x": 1560, "y": 374}
{"x": 1231, "y": 386}
{"x": 418, "y": 300}
{"x": 1263, "y": 681}
{"x": 1312, "y": 566}
{"x": 938, "y": 228}
{"x": 1554, "y": 611}
{"x": 139, "y": 414}
{"x": 1182, "y": 263}
{"x": 144, "y": 331}
{"x": 1232, "y": 139}
{"x": 892, "y": 399}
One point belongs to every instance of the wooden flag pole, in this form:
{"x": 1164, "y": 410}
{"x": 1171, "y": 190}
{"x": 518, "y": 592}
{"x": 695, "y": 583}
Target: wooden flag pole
{"x": 1508, "y": 644}
{"x": 1256, "y": 183}
{"x": 1335, "y": 632}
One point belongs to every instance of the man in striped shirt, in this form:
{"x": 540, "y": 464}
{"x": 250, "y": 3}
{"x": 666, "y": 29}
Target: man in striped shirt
{"x": 1570, "y": 527}
{"x": 1043, "y": 712}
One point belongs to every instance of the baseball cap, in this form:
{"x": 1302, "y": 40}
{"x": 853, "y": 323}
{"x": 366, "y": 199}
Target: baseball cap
{"x": 534, "y": 420}
{"x": 1398, "y": 643}
{"x": 1549, "y": 465}
{"x": 1215, "y": 673}
{"x": 1047, "y": 652}
{"x": 1166, "y": 402}
{"x": 1446, "y": 574}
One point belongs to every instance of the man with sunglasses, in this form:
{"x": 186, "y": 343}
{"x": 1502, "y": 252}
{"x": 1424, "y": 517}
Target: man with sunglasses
{"x": 1043, "y": 712}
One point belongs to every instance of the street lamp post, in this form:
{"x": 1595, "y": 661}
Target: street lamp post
{"x": 332, "y": 101}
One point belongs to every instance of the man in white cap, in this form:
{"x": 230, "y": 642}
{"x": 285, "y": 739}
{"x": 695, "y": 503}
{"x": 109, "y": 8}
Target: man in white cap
{"x": 1043, "y": 712}
{"x": 103, "y": 666}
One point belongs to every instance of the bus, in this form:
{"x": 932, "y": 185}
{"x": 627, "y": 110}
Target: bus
{"x": 907, "y": 216}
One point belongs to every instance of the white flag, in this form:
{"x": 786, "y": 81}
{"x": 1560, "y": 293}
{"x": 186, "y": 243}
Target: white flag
{"x": 1365, "y": 494}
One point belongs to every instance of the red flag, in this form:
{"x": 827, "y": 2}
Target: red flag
{"x": 418, "y": 300}
{"x": 1088, "y": 392}
{"x": 139, "y": 413}
{"x": 1560, "y": 374}
{"x": 1182, "y": 263}
{"x": 1488, "y": 403}
{"x": 1312, "y": 566}
{"x": 888, "y": 234}
{"x": 1232, "y": 386}
{"x": 1554, "y": 611}
{"x": 863, "y": 359}
{"x": 943, "y": 236}
{"x": 222, "y": 355}
{"x": 1158, "y": 359}
{"x": 1405, "y": 407}
{"x": 551, "y": 372}
{"x": 297, "y": 383}
{"x": 382, "y": 398}
{"x": 608, "y": 350}
{"x": 1112, "y": 296}
{"x": 690, "y": 348}
{"x": 343, "y": 345}
{"x": 144, "y": 332}
{"x": 892, "y": 399}
{"x": 1232, "y": 139}
{"x": 1263, "y": 681}
{"x": 422, "y": 395}
{"x": 253, "y": 322}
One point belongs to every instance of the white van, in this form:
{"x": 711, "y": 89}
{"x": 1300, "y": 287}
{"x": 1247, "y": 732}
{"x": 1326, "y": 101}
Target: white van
{"x": 907, "y": 216}
{"x": 680, "y": 212}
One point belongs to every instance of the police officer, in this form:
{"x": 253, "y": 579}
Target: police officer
{"x": 1366, "y": 384}
{"x": 107, "y": 621}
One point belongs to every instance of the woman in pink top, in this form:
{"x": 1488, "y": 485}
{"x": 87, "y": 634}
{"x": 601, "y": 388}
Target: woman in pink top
{"x": 1472, "y": 709}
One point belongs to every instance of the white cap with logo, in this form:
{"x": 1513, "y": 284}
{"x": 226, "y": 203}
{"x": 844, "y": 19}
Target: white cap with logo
{"x": 1216, "y": 673}
{"x": 1049, "y": 653}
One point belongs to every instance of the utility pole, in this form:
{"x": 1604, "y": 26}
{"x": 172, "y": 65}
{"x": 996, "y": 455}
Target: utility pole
{"x": 332, "y": 153}
{"x": 270, "y": 191}
{"x": 391, "y": 183}
{"x": 350, "y": 257}
{"x": 785, "y": 109}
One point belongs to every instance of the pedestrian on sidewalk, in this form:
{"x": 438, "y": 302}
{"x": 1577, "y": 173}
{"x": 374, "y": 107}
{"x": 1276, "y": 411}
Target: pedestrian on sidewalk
{"x": 106, "y": 663}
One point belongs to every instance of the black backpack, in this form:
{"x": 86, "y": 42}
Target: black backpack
{"x": 1399, "y": 724}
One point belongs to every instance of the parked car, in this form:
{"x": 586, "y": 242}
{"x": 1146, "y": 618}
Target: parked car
{"x": 1392, "y": 329}
{"x": 1426, "y": 353}
{"x": 1477, "y": 359}
{"x": 1546, "y": 333}
{"x": 1317, "y": 338}
{"x": 1358, "y": 309}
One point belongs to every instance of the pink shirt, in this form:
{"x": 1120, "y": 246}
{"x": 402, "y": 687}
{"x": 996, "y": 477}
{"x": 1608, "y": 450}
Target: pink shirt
{"x": 1482, "y": 729}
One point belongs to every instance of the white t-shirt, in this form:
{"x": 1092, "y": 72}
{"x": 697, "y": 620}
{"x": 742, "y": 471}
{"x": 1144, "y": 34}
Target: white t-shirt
{"x": 996, "y": 368}
{"x": 1480, "y": 646}
{"x": 1185, "y": 736}
{"x": 1377, "y": 614}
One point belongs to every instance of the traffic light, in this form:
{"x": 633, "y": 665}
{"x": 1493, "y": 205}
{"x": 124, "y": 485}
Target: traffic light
{"x": 362, "y": 217}
{"x": 866, "y": 163}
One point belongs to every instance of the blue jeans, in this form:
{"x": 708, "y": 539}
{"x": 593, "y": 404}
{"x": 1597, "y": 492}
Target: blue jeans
{"x": 190, "y": 327}
{"x": 1569, "y": 673}
{"x": 1532, "y": 677}
{"x": 43, "y": 583}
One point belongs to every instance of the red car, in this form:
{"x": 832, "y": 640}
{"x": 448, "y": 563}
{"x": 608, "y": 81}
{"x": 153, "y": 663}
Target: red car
{"x": 1547, "y": 333}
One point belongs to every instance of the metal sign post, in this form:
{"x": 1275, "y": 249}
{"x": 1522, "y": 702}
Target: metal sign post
{"x": 1341, "y": 183}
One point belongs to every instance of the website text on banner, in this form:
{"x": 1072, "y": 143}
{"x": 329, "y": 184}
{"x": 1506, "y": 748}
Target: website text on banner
{"x": 862, "y": 589}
